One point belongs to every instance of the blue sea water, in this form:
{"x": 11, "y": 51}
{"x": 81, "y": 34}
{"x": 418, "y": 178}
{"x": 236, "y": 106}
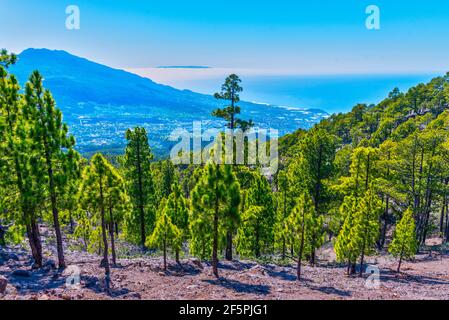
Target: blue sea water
{"x": 334, "y": 93}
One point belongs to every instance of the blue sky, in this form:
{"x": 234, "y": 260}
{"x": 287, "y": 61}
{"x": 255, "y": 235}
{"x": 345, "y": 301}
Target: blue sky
{"x": 304, "y": 37}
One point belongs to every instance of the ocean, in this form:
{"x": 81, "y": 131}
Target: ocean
{"x": 330, "y": 93}
{"x": 333, "y": 94}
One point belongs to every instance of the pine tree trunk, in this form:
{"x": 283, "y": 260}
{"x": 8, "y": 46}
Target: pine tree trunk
{"x": 177, "y": 256}
{"x": 284, "y": 248}
{"x": 228, "y": 254}
{"x": 2, "y": 236}
{"x": 301, "y": 249}
{"x": 312, "y": 256}
{"x": 348, "y": 269}
{"x": 256, "y": 243}
{"x": 353, "y": 268}
{"x": 215, "y": 242}
{"x": 203, "y": 249}
{"x": 111, "y": 233}
{"x": 399, "y": 265}
{"x": 71, "y": 221}
{"x": 362, "y": 260}
{"x": 317, "y": 199}
{"x": 105, "y": 261}
{"x": 400, "y": 259}
{"x": 165, "y": 254}
{"x": 54, "y": 206}
{"x": 442, "y": 217}
{"x": 447, "y": 224}
{"x": 35, "y": 241}
{"x": 384, "y": 227}
{"x": 141, "y": 204}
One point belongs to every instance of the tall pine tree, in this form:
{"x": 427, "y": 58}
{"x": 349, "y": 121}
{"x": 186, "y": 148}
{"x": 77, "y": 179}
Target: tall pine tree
{"x": 178, "y": 211}
{"x": 216, "y": 198}
{"x": 404, "y": 242}
{"x": 100, "y": 183}
{"x": 50, "y": 140}
{"x": 137, "y": 168}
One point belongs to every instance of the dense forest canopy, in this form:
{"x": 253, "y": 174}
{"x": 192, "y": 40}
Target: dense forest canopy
{"x": 371, "y": 180}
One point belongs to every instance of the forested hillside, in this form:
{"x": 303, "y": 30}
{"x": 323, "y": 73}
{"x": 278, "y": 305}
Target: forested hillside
{"x": 373, "y": 181}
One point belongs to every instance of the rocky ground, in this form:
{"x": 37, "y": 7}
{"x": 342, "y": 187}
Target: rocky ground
{"x": 143, "y": 278}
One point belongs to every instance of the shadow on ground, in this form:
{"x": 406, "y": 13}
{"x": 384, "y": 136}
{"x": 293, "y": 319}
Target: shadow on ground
{"x": 237, "y": 286}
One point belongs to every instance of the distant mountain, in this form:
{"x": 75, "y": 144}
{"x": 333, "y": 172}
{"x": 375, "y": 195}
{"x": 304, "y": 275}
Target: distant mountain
{"x": 99, "y": 103}
{"x": 184, "y": 67}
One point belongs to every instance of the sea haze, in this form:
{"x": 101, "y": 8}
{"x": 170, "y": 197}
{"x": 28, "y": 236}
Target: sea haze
{"x": 331, "y": 93}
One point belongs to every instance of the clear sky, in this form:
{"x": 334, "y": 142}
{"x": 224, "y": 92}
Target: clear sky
{"x": 318, "y": 37}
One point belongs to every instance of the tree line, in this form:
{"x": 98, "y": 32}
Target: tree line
{"x": 347, "y": 181}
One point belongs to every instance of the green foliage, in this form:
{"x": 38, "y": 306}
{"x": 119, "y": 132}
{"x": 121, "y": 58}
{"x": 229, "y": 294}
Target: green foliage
{"x": 165, "y": 235}
{"x": 167, "y": 178}
{"x": 53, "y": 149}
{"x": 317, "y": 150}
{"x": 83, "y": 230}
{"x": 348, "y": 176}
{"x": 230, "y": 92}
{"x": 347, "y": 242}
{"x": 177, "y": 209}
{"x": 303, "y": 221}
{"x": 7, "y": 59}
{"x": 101, "y": 194}
{"x": 256, "y": 234}
{"x": 140, "y": 186}
{"x": 404, "y": 243}
{"x": 360, "y": 229}
{"x": 215, "y": 201}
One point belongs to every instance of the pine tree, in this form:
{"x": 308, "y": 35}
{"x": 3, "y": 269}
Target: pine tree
{"x": 23, "y": 187}
{"x": 7, "y": 59}
{"x": 404, "y": 243}
{"x": 302, "y": 225}
{"x": 167, "y": 178}
{"x": 283, "y": 207}
{"x": 137, "y": 168}
{"x": 360, "y": 229}
{"x": 50, "y": 140}
{"x": 178, "y": 211}
{"x": 256, "y": 234}
{"x": 69, "y": 188}
{"x": 100, "y": 182}
{"x": 347, "y": 242}
{"x": 165, "y": 235}
{"x": 367, "y": 223}
{"x": 230, "y": 92}
{"x": 118, "y": 205}
{"x": 317, "y": 150}
{"x": 215, "y": 199}
{"x": 363, "y": 171}
{"x": 247, "y": 242}
{"x": 201, "y": 230}
{"x": 83, "y": 229}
